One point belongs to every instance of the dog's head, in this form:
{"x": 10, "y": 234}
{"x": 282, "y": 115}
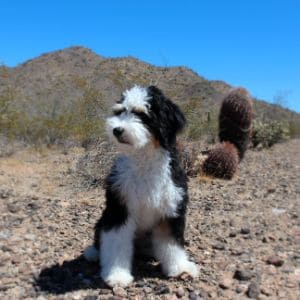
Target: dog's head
{"x": 144, "y": 115}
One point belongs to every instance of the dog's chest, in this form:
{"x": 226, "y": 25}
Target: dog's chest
{"x": 149, "y": 191}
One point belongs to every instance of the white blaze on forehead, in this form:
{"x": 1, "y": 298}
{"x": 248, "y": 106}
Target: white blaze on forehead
{"x": 136, "y": 98}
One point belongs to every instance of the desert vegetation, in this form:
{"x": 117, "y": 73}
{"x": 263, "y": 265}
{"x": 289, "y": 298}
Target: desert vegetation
{"x": 82, "y": 120}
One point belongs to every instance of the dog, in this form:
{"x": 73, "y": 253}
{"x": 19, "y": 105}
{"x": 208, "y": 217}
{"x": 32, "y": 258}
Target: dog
{"x": 146, "y": 189}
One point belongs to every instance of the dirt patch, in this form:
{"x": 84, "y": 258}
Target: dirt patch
{"x": 243, "y": 233}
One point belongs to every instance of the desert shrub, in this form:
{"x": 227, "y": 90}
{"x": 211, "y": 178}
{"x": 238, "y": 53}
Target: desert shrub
{"x": 199, "y": 128}
{"x": 268, "y": 133}
{"x": 294, "y": 128}
{"x": 187, "y": 155}
{"x": 200, "y": 124}
{"x": 80, "y": 121}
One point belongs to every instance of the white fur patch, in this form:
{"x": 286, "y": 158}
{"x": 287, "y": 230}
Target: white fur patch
{"x": 135, "y": 133}
{"x": 145, "y": 182}
{"x": 173, "y": 257}
{"x": 136, "y": 98}
{"x": 116, "y": 251}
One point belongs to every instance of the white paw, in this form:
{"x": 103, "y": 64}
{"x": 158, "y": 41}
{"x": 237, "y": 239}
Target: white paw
{"x": 188, "y": 267}
{"x": 117, "y": 278}
{"x": 91, "y": 253}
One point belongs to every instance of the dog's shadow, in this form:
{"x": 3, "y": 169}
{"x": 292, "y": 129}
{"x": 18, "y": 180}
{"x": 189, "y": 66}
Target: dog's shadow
{"x": 79, "y": 274}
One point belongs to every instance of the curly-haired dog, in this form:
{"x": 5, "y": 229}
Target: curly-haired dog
{"x": 146, "y": 189}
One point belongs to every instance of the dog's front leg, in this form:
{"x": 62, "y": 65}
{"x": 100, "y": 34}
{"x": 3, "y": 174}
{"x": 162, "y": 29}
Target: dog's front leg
{"x": 171, "y": 254}
{"x": 116, "y": 251}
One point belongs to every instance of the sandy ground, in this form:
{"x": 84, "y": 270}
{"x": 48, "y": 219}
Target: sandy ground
{"x": 244, "y": 233}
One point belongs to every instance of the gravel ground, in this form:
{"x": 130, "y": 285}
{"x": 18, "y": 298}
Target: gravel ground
{"x": 243, "y": 233}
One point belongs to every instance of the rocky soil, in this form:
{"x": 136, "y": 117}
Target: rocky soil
{"x": 243, "y": 233}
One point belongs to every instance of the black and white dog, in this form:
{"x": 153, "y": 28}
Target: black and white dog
{"x": 146, "y": 189}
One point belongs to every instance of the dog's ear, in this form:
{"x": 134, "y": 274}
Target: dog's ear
{"x": 168, "y": 112}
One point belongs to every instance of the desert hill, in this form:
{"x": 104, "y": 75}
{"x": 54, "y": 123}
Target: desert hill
{"x": 58, "y": 78}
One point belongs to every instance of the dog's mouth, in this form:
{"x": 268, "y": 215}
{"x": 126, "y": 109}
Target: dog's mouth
{"x": 122, "y": 140}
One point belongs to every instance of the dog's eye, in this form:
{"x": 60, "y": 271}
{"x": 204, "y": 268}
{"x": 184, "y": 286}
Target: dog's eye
{"x": 138, "y": 113}
{"x": 119, "y": 111}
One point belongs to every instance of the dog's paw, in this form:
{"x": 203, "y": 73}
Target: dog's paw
{"x": 187, "y": 267}
{"x": 91, "y": 253}
{"x": 118, "y": 278}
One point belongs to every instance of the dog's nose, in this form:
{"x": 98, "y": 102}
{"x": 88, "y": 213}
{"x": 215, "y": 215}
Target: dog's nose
{"x": 118, "y": 131}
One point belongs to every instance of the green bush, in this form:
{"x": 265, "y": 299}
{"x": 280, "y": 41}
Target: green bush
{"x": 268, "y": 133}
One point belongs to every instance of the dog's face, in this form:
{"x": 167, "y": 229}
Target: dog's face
{"x": 142, "y": 116}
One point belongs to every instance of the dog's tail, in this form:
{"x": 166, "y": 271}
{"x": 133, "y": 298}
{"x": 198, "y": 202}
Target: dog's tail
{"x": 235, "y": 123}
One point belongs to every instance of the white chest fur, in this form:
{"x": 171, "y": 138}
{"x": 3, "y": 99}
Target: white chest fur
{"x": 146, "y": 185}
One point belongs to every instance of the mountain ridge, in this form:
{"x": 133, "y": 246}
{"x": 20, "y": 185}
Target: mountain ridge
{"x": 60, "y": 77}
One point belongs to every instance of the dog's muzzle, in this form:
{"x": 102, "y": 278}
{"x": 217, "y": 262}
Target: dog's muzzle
{"x": 118, "y": 133}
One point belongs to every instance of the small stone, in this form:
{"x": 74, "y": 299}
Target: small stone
{"x": 203, "y": 294}
{"x": 30, "y": 237}
{"x": 271, "y": 270}
{"x": 193, "y": 296}
{"x": 243, "y": 275}
{"x": 190, "y": 288}
{"x": 237, "y": 251}
{"x": 119, "y": 291}
{"x": 266, "y": 291}
{"x": 140, "y": 283}
{"x": 232, "y": 223}
{"x": 32, "y": 206}
{"x": 232, "y": 234}
{"x": 180, "y": 292}
{"x": 294, "y": 215}
{"x": 170, "y": 297}
{"x": 253, "y": 290}
{"x": 272, "y": 237}
{"x": 245, "y": 230}
{"x": 5, "y": 248}
{"x": 162, "y": 289}
{"x": 147, "y": 289}
{"x": 219, "y": 246}
{"x": 275, "y": 261}
{"x": 5, "y": 234}
{"x": 4, "y": 194}
{"x": 226, "y": 282}
{"x": 13, "y": 207}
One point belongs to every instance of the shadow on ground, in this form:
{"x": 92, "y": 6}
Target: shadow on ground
{"x": 79, "y": 274}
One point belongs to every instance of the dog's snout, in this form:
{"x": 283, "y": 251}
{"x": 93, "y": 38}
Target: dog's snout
{"x": 118, "y": 131}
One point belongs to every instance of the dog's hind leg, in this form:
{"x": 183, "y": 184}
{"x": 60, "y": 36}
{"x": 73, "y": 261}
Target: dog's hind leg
{"x": 171, "y": 254}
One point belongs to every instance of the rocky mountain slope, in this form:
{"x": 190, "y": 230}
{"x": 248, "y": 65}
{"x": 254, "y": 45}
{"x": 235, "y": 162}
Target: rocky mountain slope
{"x": 56, "y": 79}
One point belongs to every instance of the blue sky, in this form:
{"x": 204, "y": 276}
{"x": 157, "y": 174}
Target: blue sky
{"x": 255, "y": 44}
